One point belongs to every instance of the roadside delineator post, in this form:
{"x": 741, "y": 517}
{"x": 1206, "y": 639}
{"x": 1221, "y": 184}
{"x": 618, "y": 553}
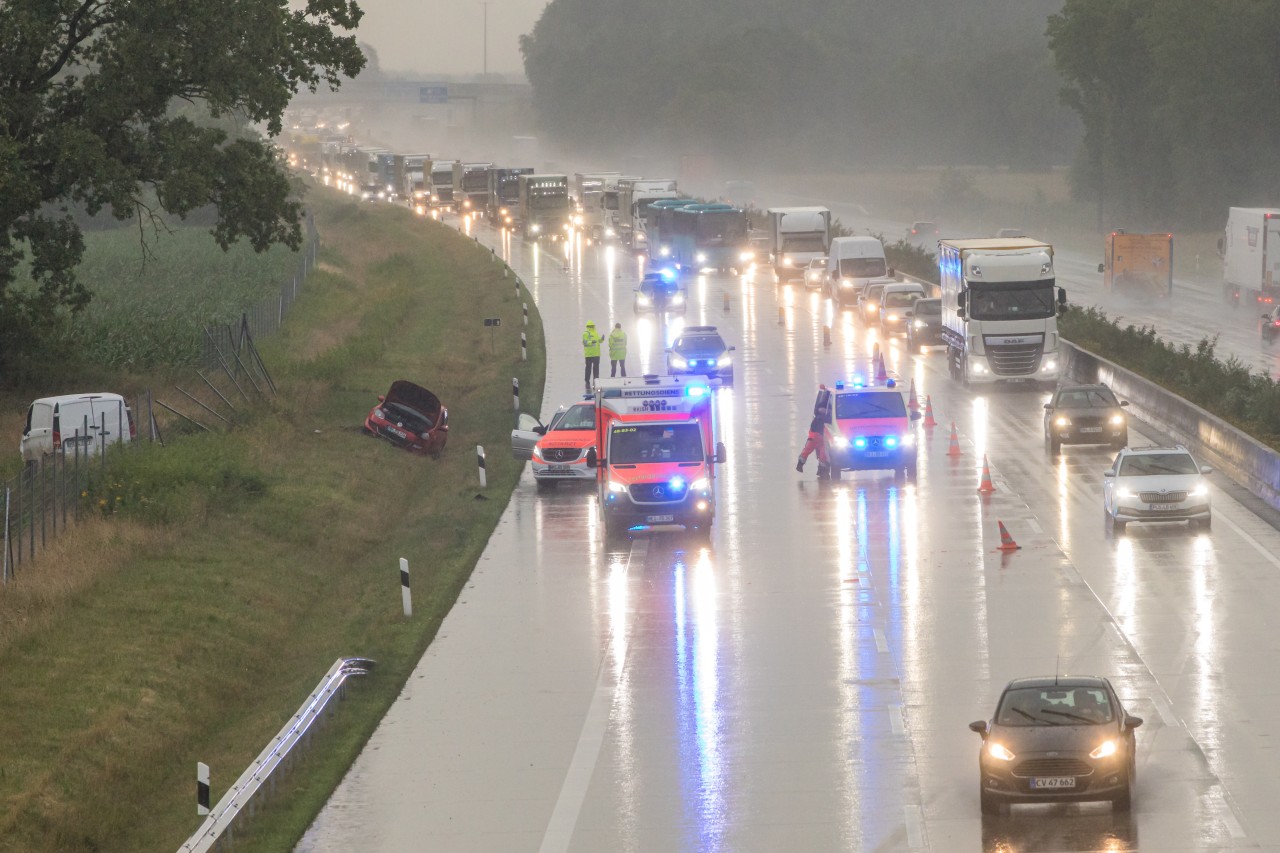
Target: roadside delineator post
{"x": 480, "y": 463}
{"x": 515, "y": 393}
{"x": 525, "y": 306}
{"x": 986, "y": 487}
{"x": 928, "y": 412}
{"x": 524, "y": 347}
{"x": 954, "y": 448}
{"x": 1006, "y": 541}
{"x": 406, "y": 597}
{"x": 517, "y": 287}
{"x": 202, "y": 788}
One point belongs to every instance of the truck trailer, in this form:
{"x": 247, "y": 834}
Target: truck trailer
{"x": 504, "y": 195}
{"x": 1250, "y": 251}
{"x": 634, "y": 215}
{"x": 1138, "y": 265}
{"x": 797, "y": 236}
{"x": 999, "y": 314}
{"x": 655, "y": 454}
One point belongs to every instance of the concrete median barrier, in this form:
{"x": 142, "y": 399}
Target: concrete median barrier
{"x": 1244, "y": 459}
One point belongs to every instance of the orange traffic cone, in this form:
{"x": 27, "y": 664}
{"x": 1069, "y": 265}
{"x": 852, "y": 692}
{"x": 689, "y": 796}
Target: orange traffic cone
{"x": 1006, "y": 541}
{"x": 986, "y": 486}
{"x": 881, "y": 373}
{"x": 912, "y": 403}
{"x": 954, "y": 448}
{"x": 928, "y": 412}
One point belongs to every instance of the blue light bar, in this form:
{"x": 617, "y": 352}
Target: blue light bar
{"x": 696, "y": 390}
{"x": 890, "y": 441}
{"x": 860, "y": 442}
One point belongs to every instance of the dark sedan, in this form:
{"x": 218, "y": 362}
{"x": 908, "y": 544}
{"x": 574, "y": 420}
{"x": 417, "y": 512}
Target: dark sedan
{"x": 924, "y": 325}
{"x": 701, "y": 351}
{"x": 1085, "y": 414}
{"x": 1057, "y": 739}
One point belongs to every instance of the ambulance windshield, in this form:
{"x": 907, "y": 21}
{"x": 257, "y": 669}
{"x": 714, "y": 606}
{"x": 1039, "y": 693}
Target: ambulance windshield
{"x": 646, "y": 443}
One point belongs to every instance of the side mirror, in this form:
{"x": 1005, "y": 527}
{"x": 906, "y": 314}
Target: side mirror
{"x": 382, "y": 398}
{"x": 1132, "y": 722}
{"x": 1048, "y": 406}
{"x": 1108, "y": 473}
{"x": 1102, "y": 267}
{"x": 1266, "y": 316}
{"x": 893, "y": 273}
{"x": 593, "y": 460}
{"x": 731, "y": 349}
{"x": 915, "y": 416}
{"x": 960, "y": 313}
{"x": 540, "y": 430}
{"x": 1124, "y": 403}
{"x": 1205, "y": 469}
{"x": 721, "y": 453}
{"x": 1222, "y": 246}
{"x": 960, "y": 299}
{"x": 1062, "y": 296}
{"x": 979, "y": 726}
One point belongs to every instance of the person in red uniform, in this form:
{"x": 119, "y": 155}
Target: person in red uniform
{"x": 821, "y": 411}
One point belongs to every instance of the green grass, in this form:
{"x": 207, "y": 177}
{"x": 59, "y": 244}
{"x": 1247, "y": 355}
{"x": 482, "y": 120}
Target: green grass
{"x": 189, "y": 623}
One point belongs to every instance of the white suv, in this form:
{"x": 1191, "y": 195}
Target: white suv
{"x": 1156, "y": 484}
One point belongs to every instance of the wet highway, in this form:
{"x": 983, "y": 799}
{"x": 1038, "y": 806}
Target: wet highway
{"x": 805, "y": 683}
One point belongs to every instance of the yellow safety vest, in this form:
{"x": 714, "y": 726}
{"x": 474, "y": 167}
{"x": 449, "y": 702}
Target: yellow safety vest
{"x": 617, "y": 345}
{"x": 591, "y": 343}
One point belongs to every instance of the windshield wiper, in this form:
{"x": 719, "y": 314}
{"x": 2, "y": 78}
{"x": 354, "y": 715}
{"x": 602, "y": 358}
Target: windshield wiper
{"x": 1069, "y": 715}
{"x": 1033, "y": 718}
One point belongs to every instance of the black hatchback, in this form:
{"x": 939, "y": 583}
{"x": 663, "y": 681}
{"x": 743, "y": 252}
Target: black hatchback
{"x": 1085, "y": 414}
{"x": 1057, "y": 739}
{"x": 924, "y": 324}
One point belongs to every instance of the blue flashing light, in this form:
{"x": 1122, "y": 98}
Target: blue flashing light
{"x": 889, "y": 383}
{"x": 839, "y": 384}
{"x": 890, "y": 441}
{"x": 668, "y": 274}
{"x": 677, "y": 484}
{"x": 696, "y": 390}
{"x": 636, "y": 527}
{"x": 860, "y": 443}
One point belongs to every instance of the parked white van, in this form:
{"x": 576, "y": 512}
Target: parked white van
{"x": 92, "y": 421}
{"x": 852, "y": 264}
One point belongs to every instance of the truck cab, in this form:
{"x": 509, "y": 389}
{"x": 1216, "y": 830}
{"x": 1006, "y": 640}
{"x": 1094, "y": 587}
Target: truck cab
{"x": 868, "y": 428}
{"x": 656, "y": 452}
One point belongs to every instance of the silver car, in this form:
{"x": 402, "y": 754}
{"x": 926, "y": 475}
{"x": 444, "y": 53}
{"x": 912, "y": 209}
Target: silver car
{"x": 1156, "y": 484}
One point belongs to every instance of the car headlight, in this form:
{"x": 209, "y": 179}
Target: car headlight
{"x": 787, "y": 262}
{"x": 615, "y": 486}
{"x": 577, "y": 220}
{"x": 1049, "y": 365}
{"x": 998, "y": 750}
{"x": 746, "y": 256}
{"x": 700, "y": 484}
{"x": 537, "y": 453}
{"x": 840, "y": 441}
{"x": 724, "y": 361}
{"x": 664, "y": 251}
{"x": 642, "y": 299}
{"x": 1104, "y": 749}
{"x": 1124, "y": 493}
{"x": 378, "y": 413}
{"x": 1117, "y": 420}
{"x": 679, "y": 362}
{"x": 608, "y": 232}
{"x": 846, "y": 284}
{"x": 535, "y": 228}
{"x": 677, "y": 299}
{"x": 502, "y": 211}
{"x": 892, "y": 318}
{"x": 1062, "y": 421}
{"x": 908, "y": 440}
{"x": 1199, "y": 491}
{"x": 872, "y": 307}
{"x": 701, "y": 257}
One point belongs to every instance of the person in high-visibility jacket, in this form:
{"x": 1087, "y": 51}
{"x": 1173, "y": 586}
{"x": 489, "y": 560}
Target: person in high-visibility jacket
{"x": 591, "y": 351}
{"x": 617, "y": 350}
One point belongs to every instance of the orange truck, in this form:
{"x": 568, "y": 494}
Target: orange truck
{"x": 1138, "y": 265}
{"x": 656, "y": 453}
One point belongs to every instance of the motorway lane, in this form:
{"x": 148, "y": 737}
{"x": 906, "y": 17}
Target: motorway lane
{"x": 1196, "y": 310}
{"x": 805, "y": 683}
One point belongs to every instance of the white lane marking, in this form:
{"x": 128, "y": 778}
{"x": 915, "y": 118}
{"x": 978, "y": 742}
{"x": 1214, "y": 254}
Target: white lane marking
{"x": 1165, "y": 710}
{"x": 882, "y": 645}
{"x": 895, "y": 720}
{"x": 1246, "y": 536}
{"x": 587, "y": 753}
{"x": 1034, "y": 525}
{"x": 1229, "y": 820}
{"x": 915, "y": 826}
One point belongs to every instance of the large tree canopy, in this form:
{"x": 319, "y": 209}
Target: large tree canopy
{"x": 91, "y": 97}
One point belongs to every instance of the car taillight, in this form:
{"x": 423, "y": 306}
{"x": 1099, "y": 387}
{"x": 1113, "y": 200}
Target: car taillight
{"x": 57, "y": 440}
{"x": 133, "y": 428}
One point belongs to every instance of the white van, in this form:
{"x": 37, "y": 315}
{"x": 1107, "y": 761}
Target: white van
{"x": 852, "y": 264}
{"x": 58, "y": 424}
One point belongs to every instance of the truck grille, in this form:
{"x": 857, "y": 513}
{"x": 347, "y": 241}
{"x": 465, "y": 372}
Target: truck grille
{"x": 648, "y": 493}
{"x": 561, "y": 454}
{"x": 1053, "y": 767}
{"x": 1015, "y": 359}
{"x": 1162, "y": 497}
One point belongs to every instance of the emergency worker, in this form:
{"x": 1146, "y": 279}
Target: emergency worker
{"x": 591, "y": 351}
{"x": 617, "y": 351}
{"x": 821, "y": 413}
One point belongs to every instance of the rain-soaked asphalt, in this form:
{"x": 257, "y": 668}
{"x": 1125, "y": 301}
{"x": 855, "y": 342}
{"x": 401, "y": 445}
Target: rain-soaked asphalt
{"x": 805, "y": 683}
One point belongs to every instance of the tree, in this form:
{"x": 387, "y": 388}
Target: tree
{"x": 90, "y": 117}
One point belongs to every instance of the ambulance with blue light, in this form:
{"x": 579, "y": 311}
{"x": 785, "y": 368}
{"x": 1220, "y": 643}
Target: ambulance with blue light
{"x": 868, "y": 428}
{"x": 655, "y": 453}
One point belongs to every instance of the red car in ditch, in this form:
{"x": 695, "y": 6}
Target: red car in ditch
{"x": 411, "y": 417}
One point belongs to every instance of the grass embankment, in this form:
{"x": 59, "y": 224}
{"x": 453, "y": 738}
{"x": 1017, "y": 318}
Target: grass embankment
{"x": 189, "y": 625}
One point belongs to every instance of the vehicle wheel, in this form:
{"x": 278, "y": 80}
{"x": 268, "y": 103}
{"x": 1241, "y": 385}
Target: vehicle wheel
{"x": 1204, "y": 523}
{"x": 1121, "y": 442}
{"x": 989, "y": 804}
{"x": 1118, "y": 525}
{"x": 1122, "y": 801}
{"x": 1055, "y": 445}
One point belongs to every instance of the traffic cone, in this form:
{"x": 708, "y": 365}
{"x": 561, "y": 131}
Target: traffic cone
{"x": 881, "y": 374}
{"x": 986, "y": 486}
{"x": 954, "y": 448}
{"x": 912, "y": 403}
{"x": 928, "y": 412}
{"x": 1006, "y": 541}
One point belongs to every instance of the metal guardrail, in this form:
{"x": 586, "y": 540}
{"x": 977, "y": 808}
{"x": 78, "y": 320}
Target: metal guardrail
{"x": 218, "y": 826}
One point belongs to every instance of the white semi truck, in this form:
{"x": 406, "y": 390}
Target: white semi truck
{"x": 797, "y": 236}
{"x": 1000, "y": 307}
{"x": 633, "y": 209}
{"x": 1251, "y": 256}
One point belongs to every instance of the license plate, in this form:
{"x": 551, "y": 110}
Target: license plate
{"x": 876, "y": 453}
{"x": 1164, "y": 507}
{"x": 659, "y": 519}
{"x": 1044, "y": 782}
{"x": 1090, "y": 429}
{"x": 397, "y": 433}
{"x": 558, "y": 469}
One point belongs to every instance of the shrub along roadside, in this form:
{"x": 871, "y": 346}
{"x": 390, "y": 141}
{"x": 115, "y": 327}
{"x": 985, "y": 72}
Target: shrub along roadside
{"x": 189, "y": 624}
{"x": 1228, "y": 389}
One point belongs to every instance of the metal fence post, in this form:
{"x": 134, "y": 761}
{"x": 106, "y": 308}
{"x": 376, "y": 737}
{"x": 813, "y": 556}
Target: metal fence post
{"x": 5, "y": 576}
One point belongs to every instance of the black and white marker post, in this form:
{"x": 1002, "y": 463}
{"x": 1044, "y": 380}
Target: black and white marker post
{"x": 517, "y": 287}
{"x": 525, "y": 305}
{"x": 524, "y": 346}
{"x": 515, "y": 394}
{"x": 406, "y": 598}
{"x": 202, "y": 788}
{"x": 480, "y": 462}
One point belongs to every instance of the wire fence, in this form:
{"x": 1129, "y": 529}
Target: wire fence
{"x": 47, "y": 497}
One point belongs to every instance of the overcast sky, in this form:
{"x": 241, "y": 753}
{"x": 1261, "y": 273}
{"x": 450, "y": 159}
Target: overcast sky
{"x": 446, "y": 36}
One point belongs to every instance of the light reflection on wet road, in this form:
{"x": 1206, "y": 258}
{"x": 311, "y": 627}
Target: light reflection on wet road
{"x": 805, "y": 683}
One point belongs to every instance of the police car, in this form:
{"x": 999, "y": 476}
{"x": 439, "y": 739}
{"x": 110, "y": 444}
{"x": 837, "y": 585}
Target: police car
{"x": 868, "y": 428}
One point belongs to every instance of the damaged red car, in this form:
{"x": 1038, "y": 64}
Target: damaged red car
{"x": 411, "y": 417}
